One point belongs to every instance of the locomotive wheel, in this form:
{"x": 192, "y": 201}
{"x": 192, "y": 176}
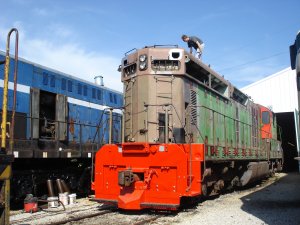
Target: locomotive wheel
{"x": 204, "y": 189}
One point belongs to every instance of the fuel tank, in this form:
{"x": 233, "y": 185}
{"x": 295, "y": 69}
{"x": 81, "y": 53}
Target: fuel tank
{"x": 255, "y": 171}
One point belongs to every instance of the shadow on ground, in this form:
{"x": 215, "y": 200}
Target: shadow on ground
{"x": 278, "y": 203}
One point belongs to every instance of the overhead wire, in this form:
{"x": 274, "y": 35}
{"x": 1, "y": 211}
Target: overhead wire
{"x": 253, "y": 61}
{"x": 253, "y": 42}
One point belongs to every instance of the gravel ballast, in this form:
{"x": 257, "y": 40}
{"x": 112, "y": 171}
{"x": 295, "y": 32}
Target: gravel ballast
{"x": 274, "y": 201}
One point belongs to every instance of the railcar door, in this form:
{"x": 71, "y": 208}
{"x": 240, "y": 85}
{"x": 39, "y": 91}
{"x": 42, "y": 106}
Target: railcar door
{"x": 61, "y": 117}
{"x": 35, "y": 112}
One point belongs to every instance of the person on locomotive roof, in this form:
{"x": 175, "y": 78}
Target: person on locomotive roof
{"x": 194, "y": 42}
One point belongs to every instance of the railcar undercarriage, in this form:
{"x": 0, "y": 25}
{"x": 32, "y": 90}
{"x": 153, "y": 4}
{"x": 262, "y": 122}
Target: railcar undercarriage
{"x": 31, "y": 175}
{"x": 223, "y": 176}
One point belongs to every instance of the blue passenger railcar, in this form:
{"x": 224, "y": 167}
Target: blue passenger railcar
{"x": 58, "y": 117}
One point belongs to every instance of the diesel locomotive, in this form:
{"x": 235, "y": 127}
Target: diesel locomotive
{"x": 188, "y": 132}
{"x": 60, "y": 121}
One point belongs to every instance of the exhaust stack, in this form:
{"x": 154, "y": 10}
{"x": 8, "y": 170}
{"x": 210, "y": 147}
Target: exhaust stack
{"x": 99, "y": 80}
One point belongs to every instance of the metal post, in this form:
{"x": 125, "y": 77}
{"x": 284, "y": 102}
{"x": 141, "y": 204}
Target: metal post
{"x": 80, "y": 138}
{"x": 131, "y": 109}
{"x": 4, "y": 103}
{"x": 5, "y": 158}
{"x": 110, "y": 125}
{"x": 147, "y": 121}
{"x": 166, "y": 124}
{"x": 123, "y": 126}
{"x": 12, "y": 129}
{"x": 99, "y": 139}
{"x": 57, "y": 137}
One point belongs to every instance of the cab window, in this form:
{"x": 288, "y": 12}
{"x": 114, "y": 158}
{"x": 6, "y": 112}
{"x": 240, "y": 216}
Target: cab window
{"x": 265, "y": 117}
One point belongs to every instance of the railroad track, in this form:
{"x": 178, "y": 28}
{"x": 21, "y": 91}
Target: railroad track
{"x": 78, "y": 218}
{"x": 116, "y": 217}
{"x": 46, "y": 216}
{"x": 97, "y": 217}
{"x": 88, "y": 213}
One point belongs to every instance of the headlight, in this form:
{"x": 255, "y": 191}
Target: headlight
{"x": 143, "y": 65}
{"x": 187, "y": 59}
{"x": 143, "y": 58}
{"x": 143, "y": 62}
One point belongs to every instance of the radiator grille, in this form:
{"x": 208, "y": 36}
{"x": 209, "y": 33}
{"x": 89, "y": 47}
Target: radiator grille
{"x": 193, "y": 107}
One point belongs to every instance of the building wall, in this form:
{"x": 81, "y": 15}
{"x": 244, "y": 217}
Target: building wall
{"x": 278, "y": 91}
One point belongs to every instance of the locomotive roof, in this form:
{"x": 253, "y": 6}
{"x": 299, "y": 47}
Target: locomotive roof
{"x": 60, "y": 73}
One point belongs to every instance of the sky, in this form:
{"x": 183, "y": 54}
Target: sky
{"x": 245, "y": 41}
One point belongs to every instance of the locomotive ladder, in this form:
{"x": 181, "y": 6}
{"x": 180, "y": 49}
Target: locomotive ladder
{"x": 164, "y": 96}
{"x": 128, "y": 114}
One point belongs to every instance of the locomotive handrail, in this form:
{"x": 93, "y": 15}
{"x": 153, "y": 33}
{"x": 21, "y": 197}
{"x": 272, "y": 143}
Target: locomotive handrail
{"x": 229, "y": 117}
{"x": 214, "y": 111}
{"x": 199, "y": 106}
{"x": 5, "y": 89}
{"x": 5, "y": 185}
{"x": 164, "y": 105}
{"x": 131, "y": 50}
{"x": 166, "y": 45}
{"x": 103, "y": 124}
{"x": 225, "y": 116}
{"x": 15, "y": 89}
{"x": 190, "y": 151}
{"x": 54, "y": 121}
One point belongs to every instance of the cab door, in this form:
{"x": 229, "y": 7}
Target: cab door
{"x": 266, "y": 121}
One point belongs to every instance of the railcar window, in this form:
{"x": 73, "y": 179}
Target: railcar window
{"x": 63, "y": 84}
{"x": 93, "y": 93}
{"x": 165, "y": 65}
{"x": 79, "y": 89}
{"x": 99, "y": 94}
{"x": 84, "y": 90}
{"x": 115, "y": 98}
{"x": 45, "y": 78}
{"x": 265, "y": 117}
{"x": 70, "y": 86}
{"x": 110, "y": 97}
{"x": 52, "y": 81}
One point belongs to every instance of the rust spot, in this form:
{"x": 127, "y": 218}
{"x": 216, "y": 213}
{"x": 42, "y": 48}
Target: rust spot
{"x": 71, "y": 127}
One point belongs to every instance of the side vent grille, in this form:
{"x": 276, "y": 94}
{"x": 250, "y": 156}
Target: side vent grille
{"x": 193, "y": 107}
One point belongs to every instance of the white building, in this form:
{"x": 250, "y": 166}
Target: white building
{"x": 279, "y": 93}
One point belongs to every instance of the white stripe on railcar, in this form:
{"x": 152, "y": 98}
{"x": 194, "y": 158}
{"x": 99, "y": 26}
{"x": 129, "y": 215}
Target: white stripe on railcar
{"x": 20, "y": 87}
{"x": 91, "y": 105}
